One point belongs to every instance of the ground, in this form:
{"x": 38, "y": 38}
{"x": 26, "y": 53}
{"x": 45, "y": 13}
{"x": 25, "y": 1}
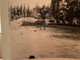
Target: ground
{"x": 44, "y": 42}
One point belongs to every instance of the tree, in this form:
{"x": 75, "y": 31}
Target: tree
{"x": 14, "y": 11}
{"x": 37, "y": 8}
{"x": 55, "y": 9}
{"x": 71, "y": 11}
{"x": 18, "y": 10}
{"x": 28, "y": 12}
{"x": 21, "y": 10}
{"x": 77, "y": 12}
{"x": 35, "y": 11}
{"x": 43, "y": 11}
{"x": 24, "y": 11}
{"x": 11, "y": 10}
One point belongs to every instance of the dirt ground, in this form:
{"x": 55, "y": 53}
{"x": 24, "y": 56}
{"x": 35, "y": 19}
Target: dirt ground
{"x": 48, "y": 42}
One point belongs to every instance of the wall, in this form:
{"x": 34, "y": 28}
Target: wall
{"x": 0, "y": 16}
{"x": 0, "y": 31}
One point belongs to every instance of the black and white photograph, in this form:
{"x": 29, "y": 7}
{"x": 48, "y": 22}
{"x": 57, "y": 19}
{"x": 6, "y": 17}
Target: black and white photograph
{"x": 44, "y": 29}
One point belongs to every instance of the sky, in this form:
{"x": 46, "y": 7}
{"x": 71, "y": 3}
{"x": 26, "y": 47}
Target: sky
{"x": 31, "y": 3}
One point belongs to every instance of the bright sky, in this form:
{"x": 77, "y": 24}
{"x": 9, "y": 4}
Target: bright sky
{"x": 31, "y": 3}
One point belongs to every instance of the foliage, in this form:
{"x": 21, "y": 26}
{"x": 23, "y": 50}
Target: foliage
{"x": 67, "y": 11}
{"x": 43, "y": 11}
{"x": 19, "y": 11}
{"x": 71, "y": 11}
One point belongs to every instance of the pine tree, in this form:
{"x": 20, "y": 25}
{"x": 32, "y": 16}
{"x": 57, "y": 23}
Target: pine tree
{"x": 53, "y": 7}
{"x": 37, "y": 8}
{"x": 21, "y": 10}
{"x": 14, "y": 11}
{"x": 18, "y": 10}
{"x": 28, "y": 11}
{"x": 24, "y": 11}
{"x": 11, "y": 12}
